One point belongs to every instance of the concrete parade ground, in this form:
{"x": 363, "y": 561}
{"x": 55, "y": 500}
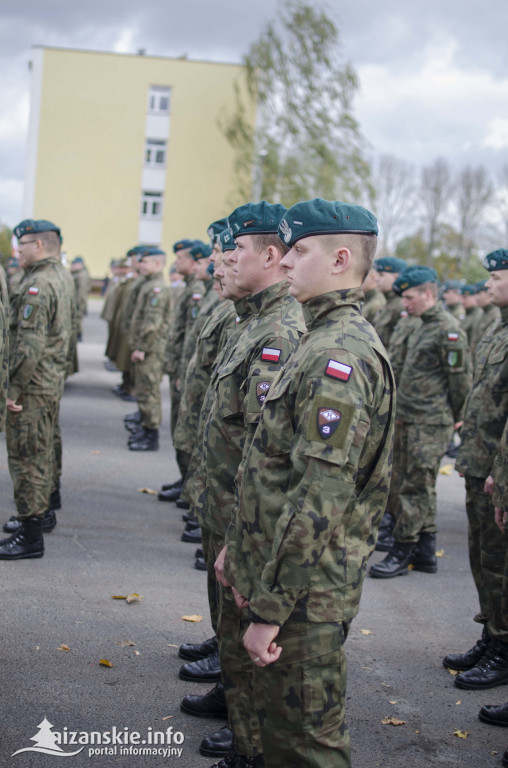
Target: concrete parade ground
{"x": 59, "y": 619}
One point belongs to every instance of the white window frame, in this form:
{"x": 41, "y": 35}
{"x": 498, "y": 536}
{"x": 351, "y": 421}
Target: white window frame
{"x": 153, "y": 149}
{"x": 149, "y": 202}
{"x": 159, "y": 100}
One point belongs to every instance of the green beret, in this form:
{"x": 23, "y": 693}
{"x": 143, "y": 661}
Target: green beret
{"x": 226, "y": 240}
{"x": 413, "y": 276}
{"x": 390, "y": 264}
{"x": 183, "y": 245}
{"x": 211, "y": 269}
{"x": 256, "y": 219}
{"x": 137, "y": 249}
{"x": 452, "y": 285}
{"x": 215, "y": 228}
{"x": 481, "y": 285}
{"x": 149, "y": 250}
{"x": 122, "y": 262}
{"x": 34, "y": 226}
{"x": 12, "y": 262}
{"x": 496, "y": 260}
{"x": 469, "y": 289}
{"x": 322, "y": 217}
{"x": 77, "y": 260}
{"x": 200, "y": 250}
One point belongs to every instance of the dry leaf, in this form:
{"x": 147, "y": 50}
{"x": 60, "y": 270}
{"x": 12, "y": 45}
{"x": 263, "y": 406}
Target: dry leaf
{"x": 63, "y": 647}
{"x": 461, "y": 734}
{"x": 136, "y": 653}
{"x": 393, "y": 702}
{"x": 369, "y": 668}
{"x": 494, "y": 752}
{"x": 37, "y": 647}
{"x": 118, "y": 597}
{"x": 105, "y": 663}
{"x": 452, "y": 672}
{"x": 365, "y": 632}
{"x": 410, "y": 567}
{"x": 125, "y": 643}
{"x": 133, "y": 598}
{"x": 148, "y": 490}
{"x": 96, "y": 453}
{"x": 447, "y": 469}
{"x": 458, "y": 702}
{"x": 170, "y": 645}
{"x": 194, "y": 617}
{"x": 417, "y": 731}
{"x": 392, "y": 721}
{"x": 440, "y": 553}
{"x": 386, "y": 685}
{"x": 168, "y": 717}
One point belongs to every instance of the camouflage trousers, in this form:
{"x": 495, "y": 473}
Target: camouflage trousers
{"x": 209, "y": 545}
{"x": 487, "y": 558}
{"x": 58, "y": 453}
{"x": 30, "y": 436}
{"x": 417, "y": 453}
{"x": 300, "y": 699}
{"x": 147, "y": 376}
{"x": 175, "y": 396}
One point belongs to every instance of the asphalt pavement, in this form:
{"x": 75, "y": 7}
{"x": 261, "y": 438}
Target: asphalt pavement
{"x": 59, "y": 619}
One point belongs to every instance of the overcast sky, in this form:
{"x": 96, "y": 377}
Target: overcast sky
{"x": 433, "y": 73}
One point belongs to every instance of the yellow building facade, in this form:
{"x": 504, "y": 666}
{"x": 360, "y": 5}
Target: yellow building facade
{"x": 126, "y": 149}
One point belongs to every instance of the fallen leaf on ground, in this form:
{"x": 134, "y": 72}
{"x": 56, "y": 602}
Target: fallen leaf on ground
{"x": 148, "y": 490}
{"x": 458, "y": 702}
{"x": 440, "y": 553}
{"x": 447, "y": 469}
{"x": 461, "y": 734}
{"x": 125, "y": 643}
{"x": 136, "y": 653}
{"x": 386, "y": 685}
{"x": 118, "y": 597}
{"x": 392, "y": 721}
{"x": 133, "y": 598}
{"x": 365, "y": 632}
{"x": 452, "y": 672}
{"x": 105, "y": 663}
{"x": 393, "y": 702}
{"x": 96, "y": 453}
{"x": 194, "y": 617}
{"x": 168, "y": 717}
{"x": 171, "y": 645}
{"x": 494, "y": 752}
{"x": 369, "y": 668}
{"x": 63, "y": 647}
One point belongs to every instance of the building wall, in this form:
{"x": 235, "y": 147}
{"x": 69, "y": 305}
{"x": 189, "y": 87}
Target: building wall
{"x": 87, "y": 144}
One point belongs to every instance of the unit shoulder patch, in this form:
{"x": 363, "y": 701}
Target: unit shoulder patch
{"x": 338, "y": 370}
{"x": 33, "y": 290}
{"x": 262, "y": 388}
{"x": 27, "y": 311}
{"x": 328, "y": 420}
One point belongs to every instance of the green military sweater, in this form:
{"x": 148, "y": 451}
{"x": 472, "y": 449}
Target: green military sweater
{"x": 435, "y": 378}
{"x": 41, "y": 328}
{"x": 487, "y": 404}
{"x": 316, "y": 475}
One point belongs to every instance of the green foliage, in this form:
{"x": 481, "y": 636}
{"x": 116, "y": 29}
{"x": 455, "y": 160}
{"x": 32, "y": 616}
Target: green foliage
{"x": 306, "y": 141}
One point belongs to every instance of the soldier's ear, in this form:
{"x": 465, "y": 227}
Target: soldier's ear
{"x": 273, "y": 257}
{"x": 341, "y": 260}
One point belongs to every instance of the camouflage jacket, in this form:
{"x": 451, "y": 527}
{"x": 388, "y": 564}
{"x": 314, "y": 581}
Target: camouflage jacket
{"x": 487, "y": 404}
{"x": 130, "y": 303}
{"x": 239, "y": 385}
{"x": 199, "y": 370}
{"x": 185, "y": 314}
{"x": 41, "y": 329}
{"x": 316, "y": 476}
{"x": 471, "y": 320}
{"x": 150, "y": 319}
{"x": 436, "y": 374}
{"x": 491, "y": 313}
{"x": 4, "y": 346}
{"x": 457, "y": 311}
{"x": 398, "y": 342}
{"x": 374, "y": 303}
{"x": 82, "y": 284}
{"x": 388, "y": 317}
{"x": 209, "y": 300}
{"x": 500, "y": 473}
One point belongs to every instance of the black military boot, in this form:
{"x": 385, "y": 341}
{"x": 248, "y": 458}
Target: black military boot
{"x": 234, "y": 760}
{"x": 169, "y": 486}
{"x": 205, "y": 670}
{"x": 490, "y": 671}
{"x": 385, "y": 540}
{"x": 133, "y": 417}
{"x": 195, "y": 651}
{"x": 149, "y": 441}
{"x": 494, "y": 715}
{"x": 467, "y": 660}
{"x": 212, "y": 704}
{"x": 424, "y": 554}
{"x": 27, "y": 542}
{"x": 395, "y": 563}
{"x": 13, "y": 525}
{"x": 218, "y": 744}
{"x": 136, "y": 431}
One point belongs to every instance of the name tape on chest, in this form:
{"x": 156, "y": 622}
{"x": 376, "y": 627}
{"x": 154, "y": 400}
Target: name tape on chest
{"x": 271, "y": 355}
{"x": 33, "y": 290}
{"x": 338, "y": 370}
{"x": 328, "y": 420}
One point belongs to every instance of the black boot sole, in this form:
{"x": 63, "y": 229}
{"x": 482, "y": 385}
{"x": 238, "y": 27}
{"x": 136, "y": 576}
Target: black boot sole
{"x": 222, "y": 715}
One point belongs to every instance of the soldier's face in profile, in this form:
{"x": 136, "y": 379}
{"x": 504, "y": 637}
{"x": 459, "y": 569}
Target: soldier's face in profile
{"x": 385, "y": 280}
{"x": 497, "y": 287}
{"x": 308, "y": 268}
{"x": 249, "y": 263}
{"x": 416, "y": 301}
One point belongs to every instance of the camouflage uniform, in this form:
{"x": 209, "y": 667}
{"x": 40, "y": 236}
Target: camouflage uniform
{"x": 312, "y": 491}
{"x": 82, "y": 286}
{"x": 374, "y": 303}
{"x": 486, "y": 414}
{"x": 239, "y": 382}
{"x": 457, "y": 311}
{"x": 388, "y": 317}
{"x": 433, "y": 378}
{"x": 4, "y": 347}
{"x": 500, "y": 500}
{"x": 40, "y": 336}
{"x": 472, "y": 319}
{"x": 490, "y": 314}
{"x": 148, "y": 333}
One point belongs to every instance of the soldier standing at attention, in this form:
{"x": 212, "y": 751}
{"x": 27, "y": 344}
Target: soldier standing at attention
{"x": 388, "y": 269}
{"x": 312, "y": 490}
{"x": 452, "y": 297}
{"x": 39, "y": 345}
{"x": 374, "y": 299}
{"x": 472, "y": 310}
{"x": 147, "y": 337}
{"x": 486, "y": 664}
{"x": 432, "y": 387}
{"x": 82, "y": 285}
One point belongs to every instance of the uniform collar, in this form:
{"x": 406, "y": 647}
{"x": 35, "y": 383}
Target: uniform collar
{"x": 42, "y": 263}
{"x": 317, "y": 310}
{"x": 504, "y": 314}
{"x": 431, "y": 313}
{"x": 264, "y": 300}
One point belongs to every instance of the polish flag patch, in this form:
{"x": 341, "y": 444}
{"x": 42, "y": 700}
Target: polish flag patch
{"x": 33, "y": 290}
{"x": 196, "y": 297}
{"x": 271, "y": 355}
{"x": 453, "y": 336}
{"x": 338, "y": 370}
{"x": 157, "y": 289}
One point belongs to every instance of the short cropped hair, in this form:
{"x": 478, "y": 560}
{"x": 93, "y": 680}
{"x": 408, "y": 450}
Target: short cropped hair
{"x": 262, "y": 242}
{"x": 50, "y": 241}
{"x": 429, "y": 286}
{"x": 362, "y": 247}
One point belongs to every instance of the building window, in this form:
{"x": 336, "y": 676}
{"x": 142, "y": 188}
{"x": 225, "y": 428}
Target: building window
{"x": 155, "y": 152}
{"x": 151, "y": 205}
{"x": 159, "y": 99}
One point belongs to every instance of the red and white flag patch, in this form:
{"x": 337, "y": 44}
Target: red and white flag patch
{"x": 196, "y": 297}
{"x": 271, "y": 355}
{"x": 453, "y": 336}
{"x": 338, "y": 370}
{"x": 156, "y": 289}
{"x": 33, "y": 290}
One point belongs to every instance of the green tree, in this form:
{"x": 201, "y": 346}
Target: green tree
{"x": 305, "y": 141}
